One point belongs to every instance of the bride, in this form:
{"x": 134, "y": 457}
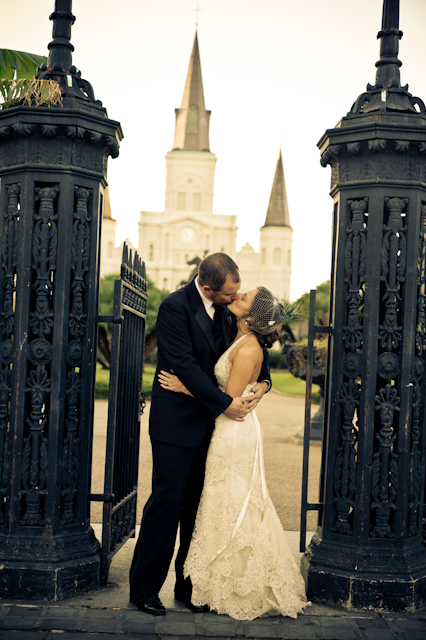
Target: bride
{"x": 239, "y": 561}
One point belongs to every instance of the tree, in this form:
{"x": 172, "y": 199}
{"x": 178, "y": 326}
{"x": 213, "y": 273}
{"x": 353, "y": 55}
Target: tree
{"x": 16, "y": 65}
{"x": 155, "y": 297}
{"x": 105, "y": 308}
{"x": 321, "y": 304}
{"x": 17, "y": 82}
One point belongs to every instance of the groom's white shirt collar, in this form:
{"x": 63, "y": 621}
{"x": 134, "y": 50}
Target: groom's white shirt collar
{"x": 208, "y": 304}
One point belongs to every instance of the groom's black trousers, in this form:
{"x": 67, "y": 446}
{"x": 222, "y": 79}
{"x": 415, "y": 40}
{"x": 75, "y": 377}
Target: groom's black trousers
{"x": 177, "y": 483}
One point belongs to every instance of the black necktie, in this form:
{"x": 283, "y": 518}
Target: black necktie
{"x": 217, "y": 327}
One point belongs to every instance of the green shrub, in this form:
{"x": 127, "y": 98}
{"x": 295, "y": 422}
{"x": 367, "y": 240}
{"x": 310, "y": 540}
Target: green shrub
{"x": 151, "y": 358}
{"x": 102, "y": 381}
{"x": 276, "y": 360}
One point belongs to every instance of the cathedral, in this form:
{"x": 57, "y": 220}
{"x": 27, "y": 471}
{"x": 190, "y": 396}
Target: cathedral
{"x": 171, "y": 242}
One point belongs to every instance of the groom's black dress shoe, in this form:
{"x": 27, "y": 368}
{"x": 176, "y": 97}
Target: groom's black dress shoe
{"x": 152, "y": 605}
{"x": 182, "y": 597}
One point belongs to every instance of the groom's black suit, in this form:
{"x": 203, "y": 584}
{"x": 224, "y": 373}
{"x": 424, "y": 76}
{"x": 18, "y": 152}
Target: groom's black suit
{"x": 180, "y": 428}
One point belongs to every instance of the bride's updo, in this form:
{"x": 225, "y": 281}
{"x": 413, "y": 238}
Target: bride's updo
{"x": 266, "y": 316}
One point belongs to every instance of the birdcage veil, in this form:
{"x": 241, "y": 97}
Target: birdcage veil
{"x": 267, "y": 313}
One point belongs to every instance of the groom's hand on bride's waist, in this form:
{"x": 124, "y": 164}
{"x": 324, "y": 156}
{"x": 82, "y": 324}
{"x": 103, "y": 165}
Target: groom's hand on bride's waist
{"x": 237, "y": 410}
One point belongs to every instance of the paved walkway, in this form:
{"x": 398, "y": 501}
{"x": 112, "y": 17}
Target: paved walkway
{"x": 72, "y": 622}
{"x": 107, "y": 614}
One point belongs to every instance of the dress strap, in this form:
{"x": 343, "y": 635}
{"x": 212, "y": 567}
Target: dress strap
{"x": 234, "y": 344}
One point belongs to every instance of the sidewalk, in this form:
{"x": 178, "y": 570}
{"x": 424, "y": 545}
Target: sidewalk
{"x": 107, "y": 614}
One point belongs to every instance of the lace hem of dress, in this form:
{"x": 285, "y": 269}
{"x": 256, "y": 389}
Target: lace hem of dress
{"x": 256, "y": 571}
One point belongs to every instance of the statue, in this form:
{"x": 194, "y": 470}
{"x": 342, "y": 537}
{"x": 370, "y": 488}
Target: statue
{"x": 195, "y": 261}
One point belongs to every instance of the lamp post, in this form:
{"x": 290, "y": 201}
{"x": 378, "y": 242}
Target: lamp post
{"x": 53, "y": 163}
{"x": 367, "y": 551}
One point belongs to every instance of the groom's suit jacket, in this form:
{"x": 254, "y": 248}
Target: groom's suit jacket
{"x": 186, "y": 346}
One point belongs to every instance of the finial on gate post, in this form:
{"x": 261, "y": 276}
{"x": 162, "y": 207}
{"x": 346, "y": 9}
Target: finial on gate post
{"x": 387, "y": 94}
{"x": 59, "y": 65}
{"x": 61, "y": 48}
{"x": 388, "y": 66}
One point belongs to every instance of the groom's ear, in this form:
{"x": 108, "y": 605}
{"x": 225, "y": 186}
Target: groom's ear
{"x": 208, "y": 291}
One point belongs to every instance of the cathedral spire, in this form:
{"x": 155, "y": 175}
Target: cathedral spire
{"x": 192, "y": 119}
{"x": 277, "y": 214}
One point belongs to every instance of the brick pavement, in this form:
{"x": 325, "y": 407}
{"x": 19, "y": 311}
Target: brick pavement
{"x": 26, "y": 622}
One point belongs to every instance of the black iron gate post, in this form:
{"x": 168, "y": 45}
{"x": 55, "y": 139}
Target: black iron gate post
{"x": 368, "y": 551}
{"x": 53, "y": 169}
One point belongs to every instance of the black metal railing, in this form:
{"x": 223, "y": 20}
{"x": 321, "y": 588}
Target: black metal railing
{"x": 311, "y": 506}
{"x": 125, "y": 405}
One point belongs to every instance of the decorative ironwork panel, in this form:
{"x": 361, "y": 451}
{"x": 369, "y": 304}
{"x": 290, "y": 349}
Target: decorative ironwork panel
{"x": 345, "y": 460}
{"x": 34, "y": 468}
{"x": 415, "y": 477}
{"x": 384, "y": 479}
{"x": 80, "y": 256}
{"x": 7, "y": 324}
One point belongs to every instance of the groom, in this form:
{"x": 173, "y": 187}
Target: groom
{"x": 193, "y": 330}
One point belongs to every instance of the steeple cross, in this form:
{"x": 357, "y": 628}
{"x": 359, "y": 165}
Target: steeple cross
{"x": 197, "y": 10}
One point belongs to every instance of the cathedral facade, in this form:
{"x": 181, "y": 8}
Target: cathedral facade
{"x": 171, "y": 242}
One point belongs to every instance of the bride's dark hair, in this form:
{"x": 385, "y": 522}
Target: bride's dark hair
{"x": 268, "y": 340}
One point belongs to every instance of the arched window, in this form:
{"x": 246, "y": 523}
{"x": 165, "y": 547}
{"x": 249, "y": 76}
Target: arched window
{"x": 181, "y": 201}
{"x": 110, "y": 249}
{"x": 263, "y": 256}
{"x": 289, "y": 257}
{"x": 196, "y": 201}
{"x": 151, "y": 253}
{"x": 192, "y": 124}
{"x": 277, "y": 255}
{"x": 164, "y": 283}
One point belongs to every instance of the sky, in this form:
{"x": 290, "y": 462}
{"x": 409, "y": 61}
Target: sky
{"x": 276, "y": 73}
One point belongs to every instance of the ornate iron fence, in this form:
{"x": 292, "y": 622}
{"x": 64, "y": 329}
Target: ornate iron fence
{"x": 125, "y": 404}
{"x": 309, "y": 506}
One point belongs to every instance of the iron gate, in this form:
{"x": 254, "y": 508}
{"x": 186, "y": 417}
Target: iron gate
{"x": 318, "y": 506}
{"x": 307, "y": 506}
{"x": 126, "y": 402}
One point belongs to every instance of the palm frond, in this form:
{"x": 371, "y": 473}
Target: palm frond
{"x": 19, "y": 64}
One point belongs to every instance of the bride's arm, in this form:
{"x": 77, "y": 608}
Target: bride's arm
{"x": 244, "y": 362}
{"x": 171, "y": 382}
{"x": 246, "y": 358}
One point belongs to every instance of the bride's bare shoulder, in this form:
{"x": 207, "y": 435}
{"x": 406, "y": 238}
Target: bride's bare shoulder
{"x": 248, "y": 348}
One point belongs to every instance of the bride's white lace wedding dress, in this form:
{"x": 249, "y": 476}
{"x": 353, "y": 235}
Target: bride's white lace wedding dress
{"x": 239, "y": 560}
